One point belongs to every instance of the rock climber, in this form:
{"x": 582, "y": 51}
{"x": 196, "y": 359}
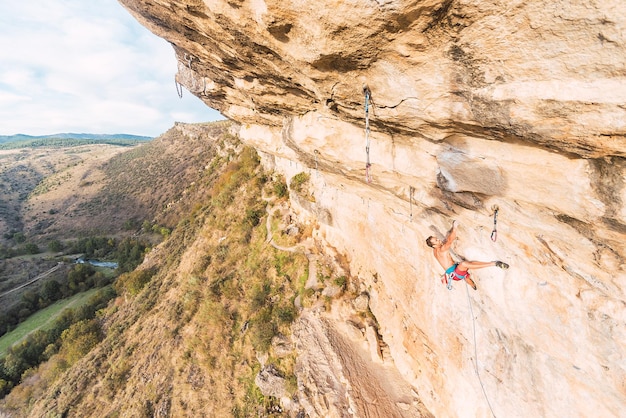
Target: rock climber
{"x": 456, "y": 271}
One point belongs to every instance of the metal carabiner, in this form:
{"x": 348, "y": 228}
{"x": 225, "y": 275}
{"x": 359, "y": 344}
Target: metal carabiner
{"x": 494, "y": 233}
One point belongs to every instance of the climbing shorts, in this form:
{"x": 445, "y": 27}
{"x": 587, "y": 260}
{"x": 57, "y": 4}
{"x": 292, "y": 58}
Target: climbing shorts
{"x": 452, "y": 273}
{"x": 455, "y": 273}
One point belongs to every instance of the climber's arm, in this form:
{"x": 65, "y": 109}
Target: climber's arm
{"x": 450, "y": 237}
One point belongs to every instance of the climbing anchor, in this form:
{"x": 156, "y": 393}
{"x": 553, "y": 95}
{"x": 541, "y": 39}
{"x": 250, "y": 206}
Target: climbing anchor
{"x": 188, "y": 58}
{"x": 494, "y": 233}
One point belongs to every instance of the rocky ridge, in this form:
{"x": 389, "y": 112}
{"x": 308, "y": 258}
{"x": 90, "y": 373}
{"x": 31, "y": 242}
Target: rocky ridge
{"x": 515, "y": 105}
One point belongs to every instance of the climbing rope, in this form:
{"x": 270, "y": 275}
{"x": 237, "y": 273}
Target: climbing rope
{"x": 494, "y": 233}
{"x": 179, "y": 88}
{"x": 316, "y": 152}
{"x": 366, "y": 91}
{"x": 469, "y": 302}
{"x": 411, "y": 193}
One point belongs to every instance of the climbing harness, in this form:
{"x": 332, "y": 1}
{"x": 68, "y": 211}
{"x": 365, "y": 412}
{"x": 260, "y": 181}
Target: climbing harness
{"x": 469, "y": 302}
{"x": 494, "y": 233}
{"x": 368, "y": 176}
{"x": 449, "y": 277}
{"x": 411, "y": 193}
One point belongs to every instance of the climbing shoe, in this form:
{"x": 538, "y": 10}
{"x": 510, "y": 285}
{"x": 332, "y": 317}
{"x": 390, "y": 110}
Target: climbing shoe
{"x": 502, "y": 265}
{"x": 470, "y": 282}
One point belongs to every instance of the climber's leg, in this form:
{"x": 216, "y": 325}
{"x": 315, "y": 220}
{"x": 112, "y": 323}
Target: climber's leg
{"x": 466, "y": 265}
{"x": 470, "y": 282}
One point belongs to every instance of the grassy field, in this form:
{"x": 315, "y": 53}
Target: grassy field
{"x": 42, "y": 318}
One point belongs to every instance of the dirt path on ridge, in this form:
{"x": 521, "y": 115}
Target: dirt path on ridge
{"x": 38, "y": 277}
{"x": 340, "y": 367}
{"x": 303, "y": 247}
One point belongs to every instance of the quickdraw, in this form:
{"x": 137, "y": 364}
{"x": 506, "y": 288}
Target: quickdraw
{"x": 368, "y": 177}
{"x": 494, "y": 233}
{"x": 316, "y": 152}
{"x": 411, "y": 193}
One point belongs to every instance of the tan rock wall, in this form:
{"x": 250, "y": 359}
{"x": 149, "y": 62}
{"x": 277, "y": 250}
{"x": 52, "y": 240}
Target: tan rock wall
{"x": 549, "y": 331}
{"x": 544, "y": 72}
{"x": 516, "y": 104}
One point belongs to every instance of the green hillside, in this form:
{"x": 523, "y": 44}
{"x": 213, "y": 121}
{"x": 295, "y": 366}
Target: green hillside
{"x": 185, "y": 333}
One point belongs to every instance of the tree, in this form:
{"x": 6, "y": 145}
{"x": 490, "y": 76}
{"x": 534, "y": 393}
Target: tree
{"x": 30, "y": 298}
{"x": 51, "y": 291}
{"x": 146, "y": 226}
{"x": 55, "y": 246}
{"x": 31, "y": 248}
{"x": 19, "y": 237}
{"x": 14, "y": 366}
{"x": 129, "y": 254}
{"x": 78, "y": 275}
{"x": 133, "y": 281}
{"x": 5, "y": 387}
{"x": 79, "y": 339}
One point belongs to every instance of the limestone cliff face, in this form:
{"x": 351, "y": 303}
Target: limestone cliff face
{"x": 514, "y": 104}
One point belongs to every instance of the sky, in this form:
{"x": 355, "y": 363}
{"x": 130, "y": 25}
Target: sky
{"x": 87, "y": 67}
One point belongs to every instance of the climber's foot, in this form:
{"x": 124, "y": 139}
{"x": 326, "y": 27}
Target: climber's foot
{"x": 470, "y": 282}
{"x": 502, "y": 265}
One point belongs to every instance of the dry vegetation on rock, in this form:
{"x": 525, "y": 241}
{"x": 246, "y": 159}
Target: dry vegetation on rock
{"x": 190, "y": 326}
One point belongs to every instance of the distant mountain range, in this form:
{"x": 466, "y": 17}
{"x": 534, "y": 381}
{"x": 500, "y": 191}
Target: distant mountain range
{"x": 96, "y": 137}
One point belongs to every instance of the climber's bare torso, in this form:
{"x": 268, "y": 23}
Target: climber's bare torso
{"x": 441, "y": 251}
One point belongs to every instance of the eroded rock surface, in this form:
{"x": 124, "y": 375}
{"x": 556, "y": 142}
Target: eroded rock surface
{"x": 514, "y": 104}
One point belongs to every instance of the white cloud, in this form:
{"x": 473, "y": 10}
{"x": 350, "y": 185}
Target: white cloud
{"x": 11, "y": 99}
{"x": 76, "y": 66}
